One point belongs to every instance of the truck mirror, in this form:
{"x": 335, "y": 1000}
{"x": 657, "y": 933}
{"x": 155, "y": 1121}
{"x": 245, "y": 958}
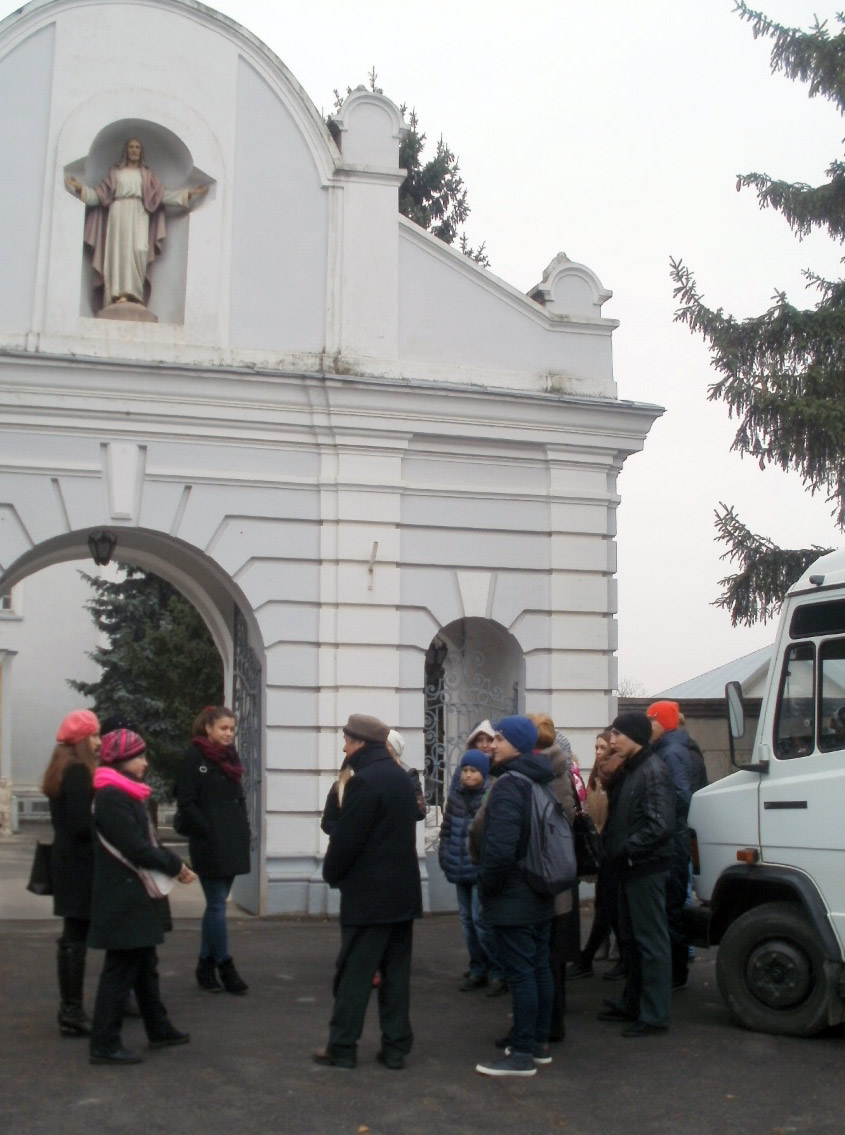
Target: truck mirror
{"x": 736, "y": 711}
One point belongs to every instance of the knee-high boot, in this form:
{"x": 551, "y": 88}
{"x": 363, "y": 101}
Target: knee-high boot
{"x": 71, "y": 966}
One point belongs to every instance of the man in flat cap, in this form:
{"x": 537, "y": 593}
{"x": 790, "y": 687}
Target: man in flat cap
{"x": 638, "y": 842}
{"x": 372, "y": 858}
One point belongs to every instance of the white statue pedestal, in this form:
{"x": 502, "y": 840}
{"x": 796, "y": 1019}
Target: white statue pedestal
{"x": 128, "y": 310}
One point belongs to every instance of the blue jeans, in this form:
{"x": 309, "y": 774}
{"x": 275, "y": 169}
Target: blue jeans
{"x": 481, "y": 943}
{"x": 215, "y": 942}
{"x": 524, "y": 953}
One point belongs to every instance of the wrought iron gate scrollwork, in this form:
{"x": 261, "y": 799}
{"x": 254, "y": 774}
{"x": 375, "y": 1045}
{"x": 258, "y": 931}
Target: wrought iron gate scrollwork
{"x": 458, "y": 694}
{"x": 247, "y": 708}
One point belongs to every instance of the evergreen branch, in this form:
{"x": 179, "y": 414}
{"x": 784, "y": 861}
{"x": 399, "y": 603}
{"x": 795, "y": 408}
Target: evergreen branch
{"x": 766, "y": 572}
{"x": 783, "y": 376}
{"x": 803, "y": 206}
{"x": 812, "y": 57}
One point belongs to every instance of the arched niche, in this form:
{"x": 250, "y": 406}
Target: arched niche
{"x": 474, "y": 669}
{"x": 170, "y": 160}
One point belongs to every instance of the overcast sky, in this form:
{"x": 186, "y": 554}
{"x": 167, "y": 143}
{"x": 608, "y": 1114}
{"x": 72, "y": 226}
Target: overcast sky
{"x": 614, "y": 132}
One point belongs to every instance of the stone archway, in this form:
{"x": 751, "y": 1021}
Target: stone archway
{"x": 474, "y": 670}
{"x": 233, "y": 628}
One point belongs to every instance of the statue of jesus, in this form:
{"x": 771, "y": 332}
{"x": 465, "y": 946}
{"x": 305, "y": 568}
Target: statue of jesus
{"x": 124, "y": 224}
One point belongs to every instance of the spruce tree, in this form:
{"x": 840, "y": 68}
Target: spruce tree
{"x": 433, "y": 194}
{"x": 782, "y": 373}
{"x": 158, "y": 663}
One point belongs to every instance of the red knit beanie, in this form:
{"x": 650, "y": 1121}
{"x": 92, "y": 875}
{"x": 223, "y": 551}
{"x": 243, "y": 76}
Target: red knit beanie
{"x": 78, "y": 725}
{"x": 665, "y": 713}
{"x": 121, "y": 745}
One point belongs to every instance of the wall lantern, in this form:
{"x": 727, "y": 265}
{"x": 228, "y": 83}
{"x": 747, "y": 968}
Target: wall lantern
{"x": 101, "y": 545}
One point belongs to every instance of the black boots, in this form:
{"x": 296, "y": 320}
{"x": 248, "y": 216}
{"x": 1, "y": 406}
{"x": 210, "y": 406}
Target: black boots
{"x": 232, "y": 981}
{"x": 207, "y": 976}
{"x": 71, "y": 968}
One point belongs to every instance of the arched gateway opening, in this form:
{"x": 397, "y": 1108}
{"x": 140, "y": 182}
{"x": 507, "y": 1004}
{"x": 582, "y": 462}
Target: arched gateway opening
{"x": 233, "y": 628}
{"x": 474, "y": 669}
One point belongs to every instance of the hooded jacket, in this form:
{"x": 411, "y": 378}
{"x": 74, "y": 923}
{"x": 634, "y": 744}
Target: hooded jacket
{"x": 506, "y": 897}
{"x": 453, "y": 851}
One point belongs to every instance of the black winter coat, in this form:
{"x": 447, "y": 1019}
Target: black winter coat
{"x": 506, "y": 898}
{"x": 641, "y": 821}
{"x": 72, "y": 858}
{"x": 372, "y": 852}
{"x": 214, "y": 809}
{"x": 123, "y": 916}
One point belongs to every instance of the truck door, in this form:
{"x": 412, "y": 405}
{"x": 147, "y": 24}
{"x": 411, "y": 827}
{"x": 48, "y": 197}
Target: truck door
{"x": 802, "y": 799}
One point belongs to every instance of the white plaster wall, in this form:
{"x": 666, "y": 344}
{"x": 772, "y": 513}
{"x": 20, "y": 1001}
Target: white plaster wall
{"x": 279, "y": 228}
{"x": 25, "y": 87}
{"x": 356, "y": 436}
{"x": 51, "y": 633}
{"x": 451, "y": 309}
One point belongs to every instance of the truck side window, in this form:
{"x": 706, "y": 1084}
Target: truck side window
{"x": 832, "y": 692}
{"x": 795, "y": 725}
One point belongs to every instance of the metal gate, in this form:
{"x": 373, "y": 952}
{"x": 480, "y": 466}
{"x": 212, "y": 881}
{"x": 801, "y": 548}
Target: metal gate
{"x": 247, "y": 707}
{"x": 458, "y": 694}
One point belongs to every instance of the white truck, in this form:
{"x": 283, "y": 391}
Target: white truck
{"x": 768, "y": 842}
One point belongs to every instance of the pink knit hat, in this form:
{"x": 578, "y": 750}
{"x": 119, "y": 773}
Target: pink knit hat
{"x": 77, "y": 725}
{"x": 121, "y": 745}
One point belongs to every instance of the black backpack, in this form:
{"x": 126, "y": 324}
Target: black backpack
{"x": 549, "y": 864}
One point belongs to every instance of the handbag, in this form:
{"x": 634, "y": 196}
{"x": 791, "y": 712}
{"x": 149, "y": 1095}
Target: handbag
{"x": 588, "y": 846}
{"x": 155, "y": 883}
{"x": 41, "y": 875}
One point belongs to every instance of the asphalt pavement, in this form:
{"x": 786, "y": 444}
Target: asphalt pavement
{"x": 248, "y": 1068}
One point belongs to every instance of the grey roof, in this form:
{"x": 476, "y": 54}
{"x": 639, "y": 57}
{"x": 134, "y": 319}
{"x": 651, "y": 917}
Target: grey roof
{"x": 748, "y": 671}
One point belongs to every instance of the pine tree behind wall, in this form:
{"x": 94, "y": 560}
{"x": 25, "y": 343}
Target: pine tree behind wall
{"x": 159, "y": 665}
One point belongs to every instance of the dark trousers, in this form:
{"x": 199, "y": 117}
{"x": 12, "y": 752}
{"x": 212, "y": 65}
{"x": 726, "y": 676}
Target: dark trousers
{"x": 363, "y": 951}
{"x": 676, "y": 896}
{"x": 564, "y": 947}
{"x": 524, "y": 954}
{"x": 605, "y": 917}
{"x": 644, "y": 941}
{"x": 124, "y": 970}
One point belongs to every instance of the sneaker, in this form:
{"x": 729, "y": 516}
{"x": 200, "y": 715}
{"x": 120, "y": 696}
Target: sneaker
{"x": 517, "y": 1064}
{"x": 497, "y": 988}
{"x": 540, "y": 1052}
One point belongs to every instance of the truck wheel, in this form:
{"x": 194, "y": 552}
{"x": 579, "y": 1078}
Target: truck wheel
{"x": 770, "y": 970}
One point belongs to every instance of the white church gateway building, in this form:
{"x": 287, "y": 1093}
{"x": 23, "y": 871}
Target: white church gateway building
{"x": 385, "y": 477}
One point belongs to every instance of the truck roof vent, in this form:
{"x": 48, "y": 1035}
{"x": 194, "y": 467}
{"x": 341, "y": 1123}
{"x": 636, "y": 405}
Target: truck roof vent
{"x": 817, "y": 580}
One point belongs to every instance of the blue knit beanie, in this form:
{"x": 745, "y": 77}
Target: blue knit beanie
{"x": 474, "y": 758}
{"x": 521, "y": 732}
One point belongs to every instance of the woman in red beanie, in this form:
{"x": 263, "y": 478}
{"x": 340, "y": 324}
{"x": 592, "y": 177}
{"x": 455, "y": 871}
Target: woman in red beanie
{"x": 68, "y": 785}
